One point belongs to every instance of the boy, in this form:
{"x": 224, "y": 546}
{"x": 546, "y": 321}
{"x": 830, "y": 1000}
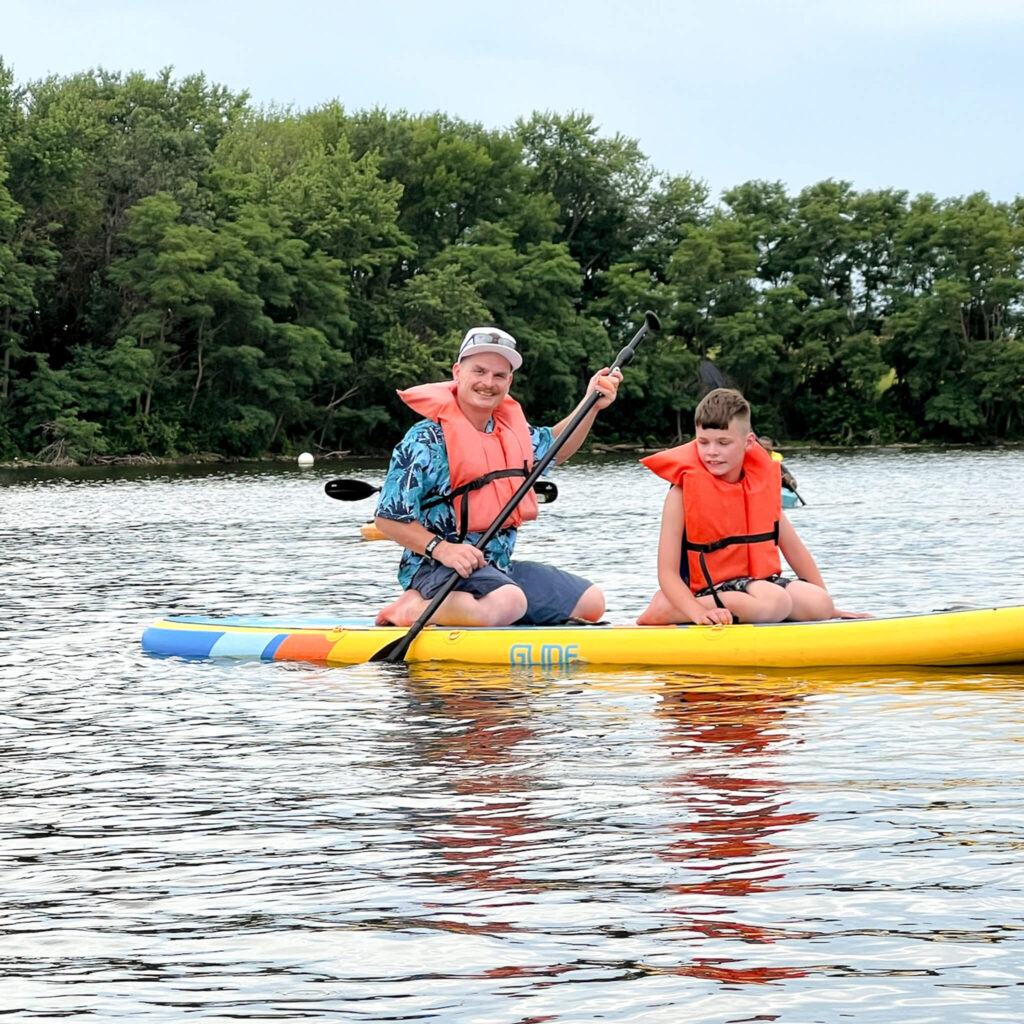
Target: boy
{"x": 722, "y": 529}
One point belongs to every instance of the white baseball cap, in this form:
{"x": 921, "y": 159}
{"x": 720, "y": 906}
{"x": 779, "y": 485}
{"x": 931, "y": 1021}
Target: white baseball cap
{"x": 490, "y": 339}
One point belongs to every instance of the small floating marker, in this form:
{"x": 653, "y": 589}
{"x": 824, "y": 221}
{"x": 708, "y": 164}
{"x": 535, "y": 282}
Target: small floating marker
{"x": 305, "y": 459}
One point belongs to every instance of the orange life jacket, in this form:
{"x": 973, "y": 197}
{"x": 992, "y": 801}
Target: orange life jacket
{"x": 729, "y": 530}
{"x": 488, "y": 465}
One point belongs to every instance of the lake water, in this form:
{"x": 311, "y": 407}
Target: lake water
{"x": 244, "y": 841}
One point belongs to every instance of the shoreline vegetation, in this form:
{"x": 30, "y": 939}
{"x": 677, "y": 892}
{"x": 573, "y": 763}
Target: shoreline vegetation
{"x": 790, "y": 450}
{"x": 185, "y": 276}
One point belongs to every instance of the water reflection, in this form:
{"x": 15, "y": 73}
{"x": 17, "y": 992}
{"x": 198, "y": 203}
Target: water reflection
{"x": 730, "y": 813}
{"x": 475, "y": 751}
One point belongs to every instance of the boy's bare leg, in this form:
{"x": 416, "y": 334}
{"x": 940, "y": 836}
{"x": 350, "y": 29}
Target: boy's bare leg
{"x": 810, "y": 602}
{"x": 660, "y": 612}
{"x": 762, "y": 602}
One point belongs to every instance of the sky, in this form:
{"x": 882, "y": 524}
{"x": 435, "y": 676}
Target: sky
{"x": 920, "y": 95}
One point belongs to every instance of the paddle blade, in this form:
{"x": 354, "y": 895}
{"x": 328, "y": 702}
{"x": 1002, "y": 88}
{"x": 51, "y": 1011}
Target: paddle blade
{"x": 546, "y": 491}
{"x": 349, "y": 490}
{"x": 394, "y": 651}
{"x": 710, "y": 376}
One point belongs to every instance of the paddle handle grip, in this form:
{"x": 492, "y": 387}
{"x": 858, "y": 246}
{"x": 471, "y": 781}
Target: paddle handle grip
{"x": 625, "y": 356}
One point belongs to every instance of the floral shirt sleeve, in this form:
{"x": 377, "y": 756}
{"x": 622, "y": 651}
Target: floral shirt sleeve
{"x": 419, "y": 472}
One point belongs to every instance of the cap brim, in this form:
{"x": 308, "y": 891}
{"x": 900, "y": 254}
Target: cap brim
{"x": 514, "y": 358}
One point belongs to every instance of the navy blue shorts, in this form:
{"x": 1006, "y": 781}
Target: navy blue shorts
{"x": 551, "y": 594}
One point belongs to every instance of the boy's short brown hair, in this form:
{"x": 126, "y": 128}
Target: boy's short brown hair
{"x": 718, "y": 408}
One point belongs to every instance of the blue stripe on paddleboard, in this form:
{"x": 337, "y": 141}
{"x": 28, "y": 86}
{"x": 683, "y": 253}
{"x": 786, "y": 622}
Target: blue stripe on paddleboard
{"x": 271, "y": 649}
{"x": 183, "y": 643}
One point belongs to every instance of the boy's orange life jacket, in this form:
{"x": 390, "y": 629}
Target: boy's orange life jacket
{"x": 491, "y": 466}
{"x": 729, "y": 530}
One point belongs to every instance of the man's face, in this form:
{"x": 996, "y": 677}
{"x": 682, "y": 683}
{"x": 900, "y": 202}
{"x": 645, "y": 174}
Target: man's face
{"x": 482, "y": 381}
{"x": 722, "y": 451}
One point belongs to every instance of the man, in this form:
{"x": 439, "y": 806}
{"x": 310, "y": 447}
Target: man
{"x": 450, "y": 477}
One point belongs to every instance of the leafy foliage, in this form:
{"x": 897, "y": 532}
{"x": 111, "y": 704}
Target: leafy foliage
{"x": 181, "y": 272}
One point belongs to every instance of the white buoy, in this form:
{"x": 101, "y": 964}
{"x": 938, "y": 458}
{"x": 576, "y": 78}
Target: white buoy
{"x": 305, "y": 459}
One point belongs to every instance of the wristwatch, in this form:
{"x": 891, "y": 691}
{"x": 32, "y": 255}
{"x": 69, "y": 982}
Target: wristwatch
{"x": 431, "y": 544}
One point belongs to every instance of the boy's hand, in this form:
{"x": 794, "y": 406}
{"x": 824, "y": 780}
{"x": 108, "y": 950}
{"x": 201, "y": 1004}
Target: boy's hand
{"x": 714, "y": 617}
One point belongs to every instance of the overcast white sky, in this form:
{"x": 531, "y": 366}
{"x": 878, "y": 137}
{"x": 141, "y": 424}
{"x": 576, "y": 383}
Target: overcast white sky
{"x": 925, "y": 95}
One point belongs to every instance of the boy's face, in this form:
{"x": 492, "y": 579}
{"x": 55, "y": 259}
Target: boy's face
{"x": 722, "y": 451}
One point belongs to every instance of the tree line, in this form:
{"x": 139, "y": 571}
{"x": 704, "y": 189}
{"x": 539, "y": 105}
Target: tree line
{"x": 182, "y": 271}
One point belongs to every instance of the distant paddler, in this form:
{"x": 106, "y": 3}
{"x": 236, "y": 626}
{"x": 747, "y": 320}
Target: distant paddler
{"x": 788, "y": 480}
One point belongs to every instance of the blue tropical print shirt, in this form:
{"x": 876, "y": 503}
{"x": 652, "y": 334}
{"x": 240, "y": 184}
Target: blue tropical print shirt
{"x": 419, "y": 472}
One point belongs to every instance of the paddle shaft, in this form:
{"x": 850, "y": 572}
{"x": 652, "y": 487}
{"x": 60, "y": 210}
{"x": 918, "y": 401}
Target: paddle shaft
{"x": 396, "y": 651}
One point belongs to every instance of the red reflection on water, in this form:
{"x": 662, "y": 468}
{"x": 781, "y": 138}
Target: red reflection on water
{"x": 711, "y": 971}
{"x": 721, "y": 841}
{"x": 493, "y": 724}
{"x": 726, "y": 839}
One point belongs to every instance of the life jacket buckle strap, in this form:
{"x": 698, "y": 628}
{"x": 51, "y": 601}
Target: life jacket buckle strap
{"x": 725, "y": 542}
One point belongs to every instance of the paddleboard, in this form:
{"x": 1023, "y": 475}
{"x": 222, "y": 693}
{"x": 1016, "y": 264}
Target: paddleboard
{"x": 988, "y": 636}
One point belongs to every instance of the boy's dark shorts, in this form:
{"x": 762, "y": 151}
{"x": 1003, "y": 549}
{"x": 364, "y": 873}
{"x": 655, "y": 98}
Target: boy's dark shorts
{"x": 741, "y": 583}
{"x": 551, "y": 594}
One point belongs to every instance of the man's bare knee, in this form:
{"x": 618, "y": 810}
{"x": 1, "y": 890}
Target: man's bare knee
{"x": 503, "y": 606}
{"x": 591, "y": 604}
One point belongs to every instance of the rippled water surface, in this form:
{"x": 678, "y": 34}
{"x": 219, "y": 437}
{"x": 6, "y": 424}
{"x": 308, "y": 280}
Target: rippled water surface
{"x": 226, "y": 841}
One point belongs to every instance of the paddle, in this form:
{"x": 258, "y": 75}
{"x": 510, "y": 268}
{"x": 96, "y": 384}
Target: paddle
{"x": 789, "y": 483}
{"x": 349, "y": 490}
{"x": 710, "y": 376}
{"x": 397, "y": 649}
{"x": 356, "y": 490}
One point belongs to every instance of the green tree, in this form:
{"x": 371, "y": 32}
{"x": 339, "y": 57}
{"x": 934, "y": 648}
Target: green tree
{"x": 952, "y": 338}
{"x": 602, "y": 187}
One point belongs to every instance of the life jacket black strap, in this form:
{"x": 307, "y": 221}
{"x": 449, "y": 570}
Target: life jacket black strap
{"x": 725, "y": 542}
{"x": 707, "y": 578}
{"x": 464, "y": 490}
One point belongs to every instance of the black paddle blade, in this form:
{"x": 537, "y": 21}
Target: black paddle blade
{"x": 394, "y": 652}
{"x": 546, "y": 491}
{"x": 710, "y": 376}
{"x": 349, "y": 490}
